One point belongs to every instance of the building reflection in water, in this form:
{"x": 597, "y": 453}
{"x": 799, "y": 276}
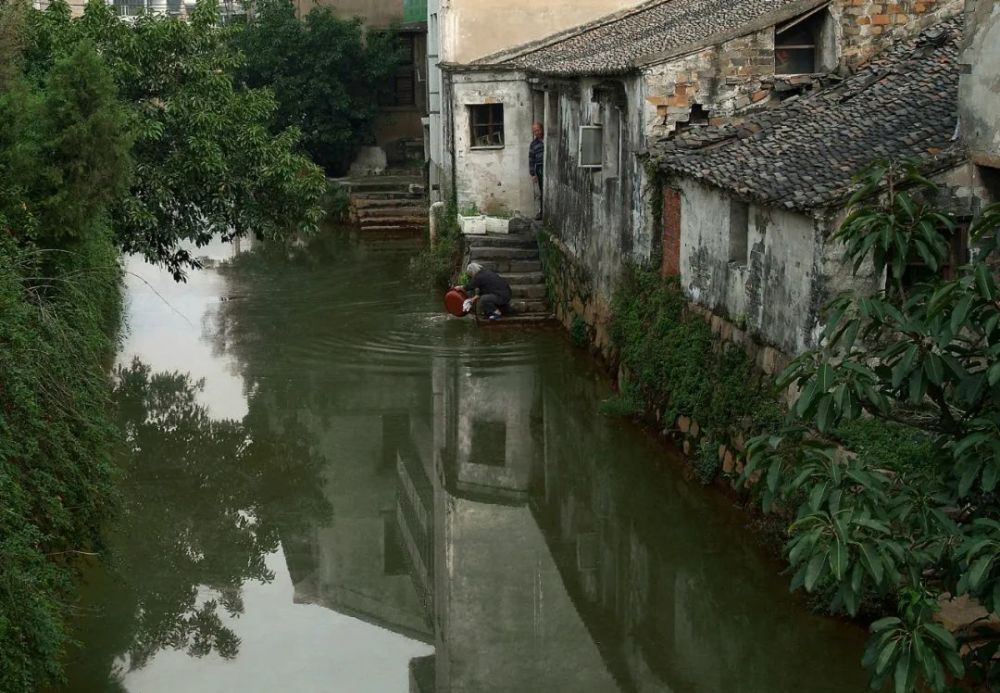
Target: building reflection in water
{"x": 482, "y": 505}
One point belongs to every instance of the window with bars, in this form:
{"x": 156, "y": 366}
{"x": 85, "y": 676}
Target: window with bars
{"x": 486, "y": 124}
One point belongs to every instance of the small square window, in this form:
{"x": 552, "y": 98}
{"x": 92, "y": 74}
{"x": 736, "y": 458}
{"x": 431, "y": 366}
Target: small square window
{"x": 591, "y": 152}
{"x": 486, "y": 123}
{"x": 739, "y": 231}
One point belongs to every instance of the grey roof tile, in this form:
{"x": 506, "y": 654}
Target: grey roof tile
{"x": 803, "y": 154}
{"x": 615, "y": 43}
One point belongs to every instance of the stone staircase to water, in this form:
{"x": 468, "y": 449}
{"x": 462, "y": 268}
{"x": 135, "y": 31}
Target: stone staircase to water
{"x": 388, "y": 204}
{"x": 514, "y": 256}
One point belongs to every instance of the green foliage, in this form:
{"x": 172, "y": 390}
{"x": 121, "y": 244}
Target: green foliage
{"x": 578, "y": 331}
{"x": 437, "y": 265}
{"x": 673, "y": 362}
{"x": 55, "y": 443}
{"x": 909, "y": 380}
{"x": 327, "y": 75}
{"x": 206, "y": 162}
{"x": 706, "y": 463}
{"x": 625, "y": 404}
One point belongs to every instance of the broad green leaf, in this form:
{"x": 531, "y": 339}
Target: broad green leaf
{"x": 814, "y": 569}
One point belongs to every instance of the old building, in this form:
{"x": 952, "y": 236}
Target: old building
{"x": 607, "y": 89}
{"x": 460, "y": 31}
{"x": 399, "y": 130}
{"x": 979, "y": 94}
{"x": 749, "y": 209}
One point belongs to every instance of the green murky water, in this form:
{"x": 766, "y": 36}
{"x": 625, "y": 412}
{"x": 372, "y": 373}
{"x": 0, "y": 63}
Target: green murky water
{"x": 331, "y": 486}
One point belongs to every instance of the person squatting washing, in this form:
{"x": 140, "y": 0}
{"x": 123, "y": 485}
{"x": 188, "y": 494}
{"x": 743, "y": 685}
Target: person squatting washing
{"x": 488, "y": 288}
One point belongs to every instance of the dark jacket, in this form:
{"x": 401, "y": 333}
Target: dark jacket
{"x": 489, "y": 282}
{"x": 536, "y": 157}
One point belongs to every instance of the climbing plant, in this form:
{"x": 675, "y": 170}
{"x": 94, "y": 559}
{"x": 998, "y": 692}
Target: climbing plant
{"x": 920, "y": 356}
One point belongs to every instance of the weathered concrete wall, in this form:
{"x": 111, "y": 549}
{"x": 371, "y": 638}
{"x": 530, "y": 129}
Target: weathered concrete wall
{"x": 472, "y": 28}
{"x": 495, "y": 179}
{"x": 597, "y": 213}
{"x": 788, "y": 275}
{"x": 979, "y": 88}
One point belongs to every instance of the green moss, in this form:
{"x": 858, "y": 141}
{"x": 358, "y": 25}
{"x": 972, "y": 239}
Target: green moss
{"x": 678, "y": 366}
{"x": 438, "y": 265}
{"x": 626, "y": 403}
{"x": 578, "y": 331}
{"x": 706, "y": 463}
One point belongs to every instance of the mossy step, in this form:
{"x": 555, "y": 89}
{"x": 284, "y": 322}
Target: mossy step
{"x": 493, "y": 253}
{"x": 501, "y": 241}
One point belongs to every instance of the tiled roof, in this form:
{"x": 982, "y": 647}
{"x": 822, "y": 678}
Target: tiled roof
{"x": 615, "y": 43}
{"x": 803, "y": 154}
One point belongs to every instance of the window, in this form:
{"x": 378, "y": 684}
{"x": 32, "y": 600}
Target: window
{"x": 489, "y": 443}
{"x": 796, "y": 43}
{"x": 591, "y": 146}
{"x": 402, "y": 86}
{"x": 917, "y": 271}
{"x": 486, "y": 121}
{"x": 991, "y": 182}
{"x": 739, "y": 231}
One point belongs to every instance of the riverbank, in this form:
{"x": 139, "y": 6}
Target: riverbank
{"x": 60, "y": 315}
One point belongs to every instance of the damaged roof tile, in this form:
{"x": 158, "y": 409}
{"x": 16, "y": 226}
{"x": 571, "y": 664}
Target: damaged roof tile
{"x": 902, "y": 105}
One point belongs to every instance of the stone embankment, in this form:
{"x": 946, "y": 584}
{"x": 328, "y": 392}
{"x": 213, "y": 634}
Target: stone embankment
{"x": 516, "y": 257}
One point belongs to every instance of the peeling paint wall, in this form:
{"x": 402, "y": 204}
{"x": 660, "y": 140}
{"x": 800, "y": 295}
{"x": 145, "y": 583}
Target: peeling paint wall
{"x": 494, "y": 179}
{"x": 979, "y": 89}
{"x": 597, "y": 213}
{"x": 790, "y": 272}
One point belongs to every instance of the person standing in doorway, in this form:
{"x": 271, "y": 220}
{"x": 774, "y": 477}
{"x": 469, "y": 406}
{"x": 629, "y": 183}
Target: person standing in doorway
{"x": 536, "y": 163}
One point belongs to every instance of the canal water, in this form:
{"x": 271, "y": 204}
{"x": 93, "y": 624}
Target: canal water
{"x": 331, "y": 486}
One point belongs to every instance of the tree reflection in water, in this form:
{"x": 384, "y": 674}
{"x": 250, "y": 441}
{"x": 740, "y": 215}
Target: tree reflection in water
{"x": 204, "y": 502}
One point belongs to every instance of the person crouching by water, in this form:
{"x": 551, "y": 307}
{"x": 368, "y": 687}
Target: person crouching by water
{"x": 493, "y": 290}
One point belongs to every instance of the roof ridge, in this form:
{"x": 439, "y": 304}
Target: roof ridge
{"x": 524, "y": 49}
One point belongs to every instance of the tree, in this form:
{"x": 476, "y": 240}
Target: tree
{"x": 326, "y": 73}
{"x": 205, "y": 161}
{"x": 921, "y": 360}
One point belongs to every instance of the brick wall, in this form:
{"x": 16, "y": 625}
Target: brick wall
{"x": 869, "y": 25}
{"x": 671, "y": 213}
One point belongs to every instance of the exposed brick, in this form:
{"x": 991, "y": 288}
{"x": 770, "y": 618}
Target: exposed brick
{"x": 881, "y": 19}
{"x": 671, "y": 232}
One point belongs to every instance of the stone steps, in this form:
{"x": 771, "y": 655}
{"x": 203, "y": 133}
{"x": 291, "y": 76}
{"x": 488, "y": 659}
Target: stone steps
{"x": 388, "y": 220}
{"x": 388, "y": 204}
{"x": 502, "y": 241}
{"x": 498, "y": 254}
{"x": 383, "y": 210}
{"x": 382, "y": 202}
{"x": 527, "y": 291}
{"x": 516, "y": 257}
